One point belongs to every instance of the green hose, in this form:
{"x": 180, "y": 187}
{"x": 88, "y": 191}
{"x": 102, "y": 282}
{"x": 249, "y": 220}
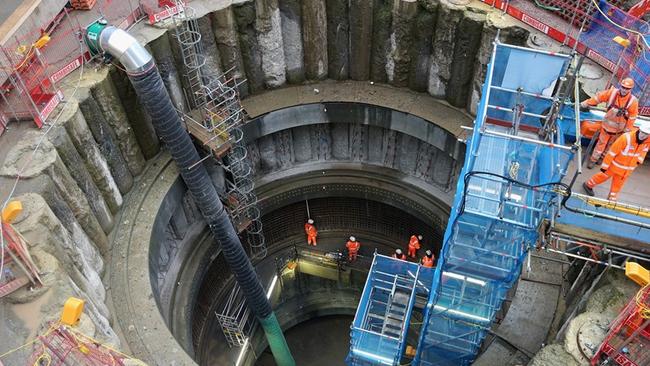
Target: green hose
{"x": 277, "y": 343}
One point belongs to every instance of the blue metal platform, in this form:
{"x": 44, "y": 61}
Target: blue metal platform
{"x": 507, "y": 186}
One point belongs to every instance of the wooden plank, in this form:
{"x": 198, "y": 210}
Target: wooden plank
{"x": 17, "y": 18}
{"x": 216, "y": 144}
{"x": 41, "y": 13}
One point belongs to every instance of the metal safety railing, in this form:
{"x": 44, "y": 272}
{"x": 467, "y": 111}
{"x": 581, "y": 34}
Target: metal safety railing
{"x": 506, "y": 190}
{"x": 591, "y": 251}
{"x": 591, "y": 26}
{"x": 37, "y": 56}
{"x": 381, "y": 324}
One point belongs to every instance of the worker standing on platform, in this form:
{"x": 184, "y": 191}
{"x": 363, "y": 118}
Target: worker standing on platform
{"x": 353, "y": 248}
{"x": 622, "y": 111}
{"x": 414, "y": 245}
{"x": 628, "y": 152}
{"x": 311, "y": 232}
{"x": 399, "y": 254}
{"x": 428, "y": 259}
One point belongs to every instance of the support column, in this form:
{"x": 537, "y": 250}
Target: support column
{"x": 225, "y": 33}
{"x": 83, "y": 140}
{"x": 421, "y": 49}
{"x": 110, "y": 105}
{"x": 361, "y": 28}
{"x": 209, "y": 45}
{"x": 291, "y": 21}
{"x": 314, "y": 20}
{"x": 269, "y": 37}
{"x": 381, "y": 31}
{"x": 250, "y": 50}
{"x": 105, "y": 139}
{"x": 443, "y": 49}
{"x": 399, "y": 62}
{"x": 338, "y": 39}
{"x": 468, "y": 40}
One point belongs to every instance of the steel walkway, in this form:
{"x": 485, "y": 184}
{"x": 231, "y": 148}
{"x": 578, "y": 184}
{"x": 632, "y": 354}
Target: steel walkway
{"x": 507, "y": 187}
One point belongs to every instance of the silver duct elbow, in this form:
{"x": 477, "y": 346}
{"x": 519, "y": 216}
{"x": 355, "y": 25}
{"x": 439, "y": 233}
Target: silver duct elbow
{"x": 123, "y": 46}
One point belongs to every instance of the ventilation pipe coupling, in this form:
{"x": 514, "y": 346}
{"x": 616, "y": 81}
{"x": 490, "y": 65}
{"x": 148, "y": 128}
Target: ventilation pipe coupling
{"x": 102, "y": 38}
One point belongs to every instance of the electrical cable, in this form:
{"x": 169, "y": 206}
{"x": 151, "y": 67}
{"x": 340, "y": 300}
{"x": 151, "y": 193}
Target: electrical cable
{"x": 508, "y": 179}
{"x": 31, "y": 158}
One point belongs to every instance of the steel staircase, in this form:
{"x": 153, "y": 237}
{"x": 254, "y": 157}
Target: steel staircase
{"x": 505, "y": 191}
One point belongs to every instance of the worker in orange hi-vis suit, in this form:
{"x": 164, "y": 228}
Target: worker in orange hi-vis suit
{"x": 353, "y": 248}
{"x": 622, "y": 111}
{"x": 428, "y": 259}
{"x": 625, "y": 154}
{"x": 311, "y": 232}
{"x": 414, "y": 245}
{"x": 399, "y": 254}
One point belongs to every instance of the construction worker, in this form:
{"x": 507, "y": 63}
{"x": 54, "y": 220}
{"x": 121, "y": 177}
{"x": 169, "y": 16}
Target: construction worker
{"x": 414, "y": 245}
{"x": 428, "y": 259}
{"x": 399, "y": 254}
{"x": 622, "y": 111}
{"x": 311, "y": 232}
{"x": 353, "y": 248}
{"x": 625, "y": 154}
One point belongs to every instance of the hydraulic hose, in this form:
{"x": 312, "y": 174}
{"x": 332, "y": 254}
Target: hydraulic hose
{"x": 149, "y": 87}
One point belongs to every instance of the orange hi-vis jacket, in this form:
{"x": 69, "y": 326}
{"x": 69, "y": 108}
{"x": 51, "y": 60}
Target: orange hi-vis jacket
{"x": 353, "y": 246}
{"x": 401, "y": 256}
{"x": 414, "y": 242}
{"x": 625, "y": 154}
{"x": 612, "y": 123}
{"x": 427, "y": 262}
{"x": 310, "y": 230}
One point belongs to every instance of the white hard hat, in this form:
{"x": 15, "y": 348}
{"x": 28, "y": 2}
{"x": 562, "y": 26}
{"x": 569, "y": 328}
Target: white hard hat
{"x": 419, "y": 237}
{"x": 310, "y": 221}
{"x": 352, "y": 238}
{"x": 644, "y": 126}
{"x": 428, "y": 252}
{"x": 398, "y": 251}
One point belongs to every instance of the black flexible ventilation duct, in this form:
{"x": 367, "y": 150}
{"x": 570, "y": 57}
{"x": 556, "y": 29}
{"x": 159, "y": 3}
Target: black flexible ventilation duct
{"x": 150, "y": 89}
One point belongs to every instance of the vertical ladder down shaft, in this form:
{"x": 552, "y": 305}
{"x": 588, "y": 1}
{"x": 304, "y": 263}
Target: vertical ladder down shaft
{"x": 149, "y": 86}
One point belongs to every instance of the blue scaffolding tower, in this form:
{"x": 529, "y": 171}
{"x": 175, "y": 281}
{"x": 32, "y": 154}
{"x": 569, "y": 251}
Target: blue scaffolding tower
{"x": 508, "y": 185}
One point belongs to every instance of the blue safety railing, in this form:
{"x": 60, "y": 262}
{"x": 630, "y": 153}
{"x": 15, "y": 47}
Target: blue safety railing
{"x": 380, "y": 326}
{"x": 505, "y": 189}
{"x": 504, "y": 192}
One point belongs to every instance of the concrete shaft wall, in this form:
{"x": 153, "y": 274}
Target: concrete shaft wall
{"x": 97, "y": 147}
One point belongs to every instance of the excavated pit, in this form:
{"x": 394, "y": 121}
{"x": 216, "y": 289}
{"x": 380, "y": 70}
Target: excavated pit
{"x": 324, "y": 163}
{"x": 354, "y": 117}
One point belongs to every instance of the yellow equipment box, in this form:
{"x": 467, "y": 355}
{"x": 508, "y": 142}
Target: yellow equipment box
{"x": 637, "y": 273}
{"x": 72, "y": 310}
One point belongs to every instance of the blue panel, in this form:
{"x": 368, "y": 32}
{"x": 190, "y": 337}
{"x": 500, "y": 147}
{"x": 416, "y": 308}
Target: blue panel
{"x": 502, "y": 196}
{"x": 379, "y": 328}
{"x": 504, "y": 192}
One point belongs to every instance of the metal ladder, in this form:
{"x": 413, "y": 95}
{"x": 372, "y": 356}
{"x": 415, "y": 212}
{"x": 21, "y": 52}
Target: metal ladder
{"x": 215, "y": 120}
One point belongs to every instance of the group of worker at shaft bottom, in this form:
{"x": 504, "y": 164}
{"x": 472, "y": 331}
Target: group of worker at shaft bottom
{"x": 621, "y": 146}
{"x": 353, "y": 246}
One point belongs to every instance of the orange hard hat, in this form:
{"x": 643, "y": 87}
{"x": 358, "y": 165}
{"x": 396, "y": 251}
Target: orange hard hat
{"x": 627, "y": 83}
